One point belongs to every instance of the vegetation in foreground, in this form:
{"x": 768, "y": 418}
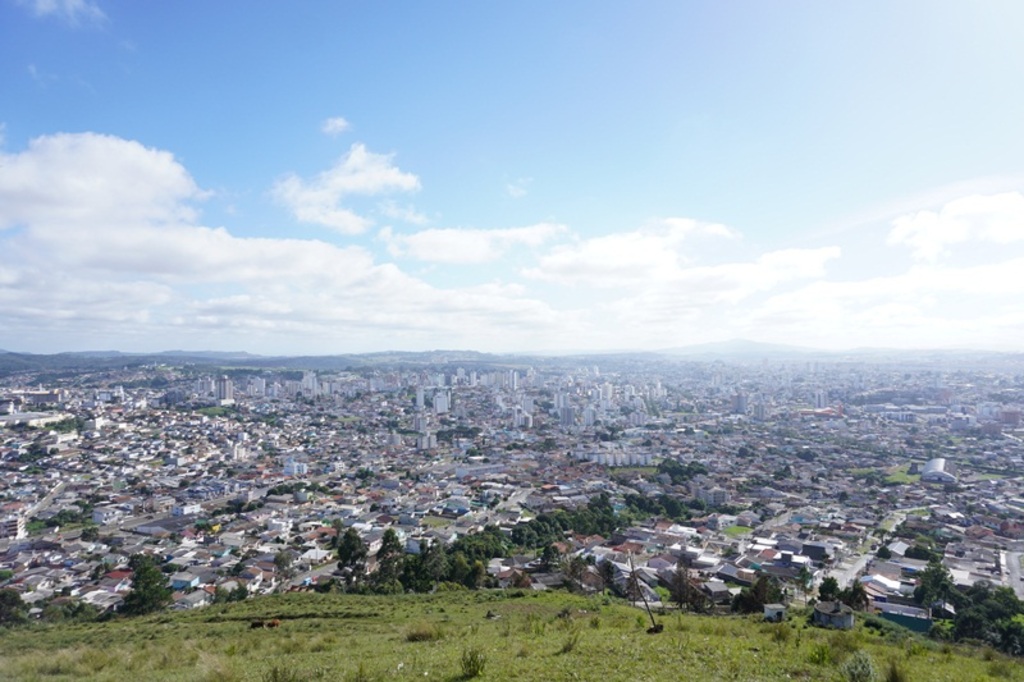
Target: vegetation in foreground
{"x": 463, "y": 635}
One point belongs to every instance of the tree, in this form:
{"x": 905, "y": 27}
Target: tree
{"x": 389, "y": 562}
{"x": 352, "y": 557}
{"x": 829, "y": 589}
{"x": 283, "y": 563}
{"x": 12, "y": 609}
{"x": 765, "y": 590}
{"x": 606, "y": 570}
{"x": 150, "y": 591}
{"x": 855, "y": 596}
{"x": 435, "y": 563}
{"x": 90, "y": 533}
{"x": 550, "y": 557}
{"x": 936, "y": 585}
{"x": 574, "y": 568}
{"x": 684, "y": 594}
{"x": 804, "y": 580}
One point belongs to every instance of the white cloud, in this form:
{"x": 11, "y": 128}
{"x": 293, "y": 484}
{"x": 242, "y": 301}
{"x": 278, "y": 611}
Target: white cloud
{"x": 102, "y": 243}
{"x": 517, "y": 189}
{"x": 335, "y": 126}
{"x": 925, "y": 306}
{"x": 359, "y": 172}
{"x": 620, "y": 259}
{"x": 406, "y": 214}
{"x": 74, "y": 12}
{"x": 452, "y": 245}
{"x": 89, "y": 179}
{"x": 996, "y": 218}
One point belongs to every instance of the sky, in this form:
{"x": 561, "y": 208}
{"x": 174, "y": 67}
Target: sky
{"x": 332, "y": 177}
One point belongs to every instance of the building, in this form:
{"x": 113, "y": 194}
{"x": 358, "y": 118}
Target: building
{"x": 294, "y": 467}
{"x": 937, "y": 471}
{"x": 833, "y": 614}
{"x": 13, "y": 526}
{"x": 713, "y": 497}
{"x": 225, "y": 390}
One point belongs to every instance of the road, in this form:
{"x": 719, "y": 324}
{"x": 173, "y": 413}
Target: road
{"x": 44, "y": 503}
{"x": 1011, "y": 561}
{"x": 848, "y": 570}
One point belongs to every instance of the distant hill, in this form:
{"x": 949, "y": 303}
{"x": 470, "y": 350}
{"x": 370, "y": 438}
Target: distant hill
{"x": 511, "y": 635}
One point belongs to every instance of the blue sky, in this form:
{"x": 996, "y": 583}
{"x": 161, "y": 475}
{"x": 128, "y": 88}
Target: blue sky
{"x": 338, "y": 177}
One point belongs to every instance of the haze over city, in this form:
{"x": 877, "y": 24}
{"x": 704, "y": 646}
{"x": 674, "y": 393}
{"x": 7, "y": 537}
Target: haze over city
{"x": 351, "y": 177}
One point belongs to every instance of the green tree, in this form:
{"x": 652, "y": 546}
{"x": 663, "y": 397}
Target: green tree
{"x": 434, "y": 563}
{"x": 829, "y": 589}
{"x": 352, "y": 557}
{"x": 804, "y": 580}
{"x": 239, "y": 593}
{"x": 855, "y": 596}
{"x": 765, "y": 590}
{"x": 90, "y": 533}
{"x": 150, "y": 591}
{"x": 684, "y": 594}
{"x": 12, "y": 609}
{"x": 389, "y": 562}
{"x": 283, "y": 563}
{"x": 936, "y": 585}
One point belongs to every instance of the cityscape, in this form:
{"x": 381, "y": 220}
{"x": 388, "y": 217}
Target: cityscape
{"x": 241, "y": 481}
{"x": 377, "y": 341}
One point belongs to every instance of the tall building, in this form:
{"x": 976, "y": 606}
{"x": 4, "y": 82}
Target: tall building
{"x": 224, "y": 389}
{"x": 13, "y": 526}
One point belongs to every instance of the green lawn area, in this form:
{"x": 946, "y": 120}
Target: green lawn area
{"x": 517, "y": 635}
{"x": 899, "y": 475}
{"x": 737, "y": 531}
{"x": 214, "y": 411}
{"x": 646, "y": 472}
{"x": 436, "y": 521}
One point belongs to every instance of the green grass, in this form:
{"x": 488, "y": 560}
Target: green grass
{"x": 216, "y": 411}
{"x": 899, "y": 475}
{"x": 736, "y": 531}
{"x": 535, "y": 636}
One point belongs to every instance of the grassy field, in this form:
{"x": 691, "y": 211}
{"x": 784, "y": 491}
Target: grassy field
{"x": 528, "y": 636}
{"x": 899, "y": 475}
{"x": 736, "y": 531}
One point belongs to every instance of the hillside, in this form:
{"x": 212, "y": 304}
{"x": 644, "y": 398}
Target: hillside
{"x": 528, "y": 636}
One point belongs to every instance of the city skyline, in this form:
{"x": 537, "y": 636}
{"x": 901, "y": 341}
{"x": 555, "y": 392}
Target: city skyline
{"x": 343, "y": 178}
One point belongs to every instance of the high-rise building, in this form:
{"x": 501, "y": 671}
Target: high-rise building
{"x": 225, "y": 389}
{"x": 13, "y": 526}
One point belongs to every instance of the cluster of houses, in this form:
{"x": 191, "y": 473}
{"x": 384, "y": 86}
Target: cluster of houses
{"x": 241, "y": 485}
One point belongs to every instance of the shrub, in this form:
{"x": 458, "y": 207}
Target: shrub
{"x": 896, "y": 672}
{"x": 424, "y": 632}
{"x": 859, "y": 668}
{"x": 821, "y": 654}
{"x": 570, "y": 643}
{"x": 1001, "y": 668}
{"x": 361, "y": 674}
{"x": 284, "y": 674}
{"x": 473, "y": 663}
{"x": 781, "y": 634}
